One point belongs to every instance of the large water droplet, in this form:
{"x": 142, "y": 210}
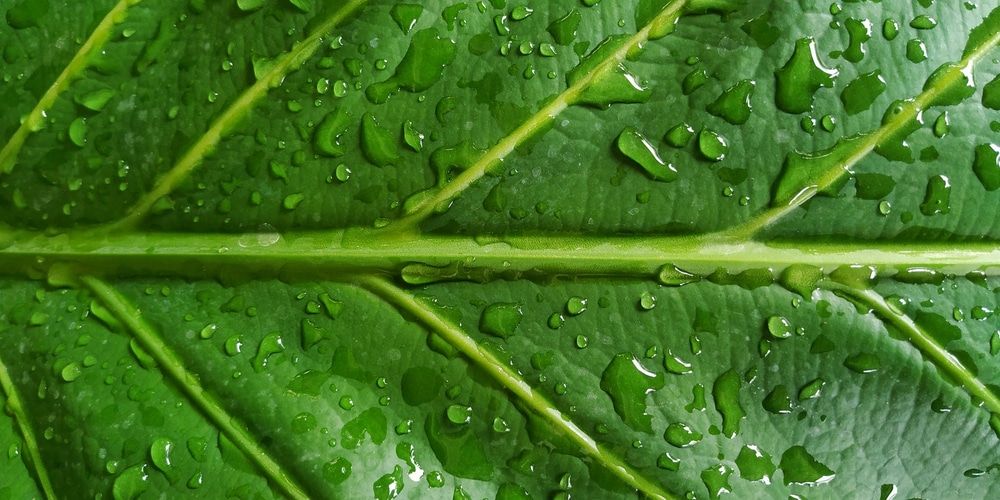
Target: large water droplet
{"x": 937, "y": 197}
{"x": 859, "y": 95}
{"x": 716, "y": 479}
{"x": 859, "y": 31}
{"x": 501, "y": 319}
{"x": 799, "y": 79}
{"x": 726, "y": 392}
{"x": 755, "y": 464}
{"x": 799, "y": 467}
{"x": 421, "y": 67}
{"x": 734, "y": 104}
{"x": 628, "y": 383}
{"x": 406, "y": 15}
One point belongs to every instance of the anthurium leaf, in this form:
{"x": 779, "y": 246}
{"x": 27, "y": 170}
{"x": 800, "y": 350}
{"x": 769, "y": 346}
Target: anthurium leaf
{"x": 359, "y": 248}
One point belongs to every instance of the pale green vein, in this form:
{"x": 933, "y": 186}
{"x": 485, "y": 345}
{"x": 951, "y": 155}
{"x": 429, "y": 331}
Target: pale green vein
{"x": 535, "y": 123}
{"x": 188, "y": 382}
{"x": 510, "y": 380}
{"x": 16, "y": 408}
{"x": 923, "y": 341}
{"x": 232, "y": 116}
{"x": 866, "y": 143}
{"x": 36, "y": 119}
{"x": 321, "y": 252}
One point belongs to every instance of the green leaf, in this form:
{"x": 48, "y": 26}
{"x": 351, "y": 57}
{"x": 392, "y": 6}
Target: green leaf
{"x": 341, "y": 249}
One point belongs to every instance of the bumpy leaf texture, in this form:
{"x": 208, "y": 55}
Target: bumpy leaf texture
{"x": 499, "y": 249}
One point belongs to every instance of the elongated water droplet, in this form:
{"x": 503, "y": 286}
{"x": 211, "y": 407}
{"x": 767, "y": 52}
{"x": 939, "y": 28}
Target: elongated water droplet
{"x": 628, "y": 383}
{"x": 863, "y": 363}
{"x": 635, "y": 146}
{"x": 859, "y": 31}
{"x": 726, "y": 391}
{"x": 712, "y": 145}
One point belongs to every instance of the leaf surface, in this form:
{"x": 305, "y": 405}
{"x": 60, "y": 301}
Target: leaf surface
{"x": 323, "y": 249}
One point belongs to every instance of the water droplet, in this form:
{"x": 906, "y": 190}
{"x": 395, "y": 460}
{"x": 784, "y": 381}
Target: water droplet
{"x": 761, "y": 30}
{"x": 726, "y": 393}
{"x": 672, "y": 275}
{"x": 421, "y": 67}
{"x": 159, "y": 452}
{"x": 779, "y": 327}
{"x": 777, "y": 401}
{"x": 798, "y": 80}
{"x": 890, "y": 29}
{"x": 628, "y": 383}
{"x": 951, "y": 83}
{"x": 459, "y": 414}
{"x": 859, "y": 95}
{"x": 674, "y": 364}
{"x": 647, "y": 301}
{"x": 859, "y": 31}
{"x": 78, "y": 131}
{"x": 986, "y": 165}
{"x": 635, "y": 146}
{"x": 679, "y": 136}
{"x": 501, "y": 319}
{"x": 71, "y": 372}
{"x": 406, "y": 15}
{"x": 863, "y": 363}
{"x": 131, "y": 483}
{"x": 680, "y": 435}
{"x": 576, "y": 305}
{"x": 337, "y": 471}
{"x": 812, "y": 389}
{"x": 698, "y": 402}
{"x": 937, "y": 197}
{"x": 377, "y": 143}
{"x": 923, "y": 22}
{"x": 556, "y": 321}
{"x": 270, "y": 345}
{"x": 716, "y": 479}
{"x": 694, "y": 80}
{"x": 734, "y": 104}
{"x": 616, "y": 86}
{"x": 712, "y": 146}
{"x": 563, "y": 30}
{"x": 799, "y": 467}
{"x": 755, "y": 464}
{"x": 668, "y": 462}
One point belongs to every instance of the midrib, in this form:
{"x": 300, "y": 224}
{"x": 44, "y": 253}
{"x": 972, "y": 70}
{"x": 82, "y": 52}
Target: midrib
{"x": 269, "y": 254}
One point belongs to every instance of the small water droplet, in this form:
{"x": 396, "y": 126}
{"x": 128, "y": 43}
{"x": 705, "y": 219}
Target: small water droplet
{"x": 681, "y": 435}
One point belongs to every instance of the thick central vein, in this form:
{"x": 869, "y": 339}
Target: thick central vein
{"x": 536, "y": 122}
{"x": 232, "y": 116}
{"x": 36, "y": 119}
{"x": 923, "y": 341}
{"x": 130, "y": 316}
{"x": 910, "y": 112}
{"x": 268, "y": 254}
{"x": 516, "y": 384}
